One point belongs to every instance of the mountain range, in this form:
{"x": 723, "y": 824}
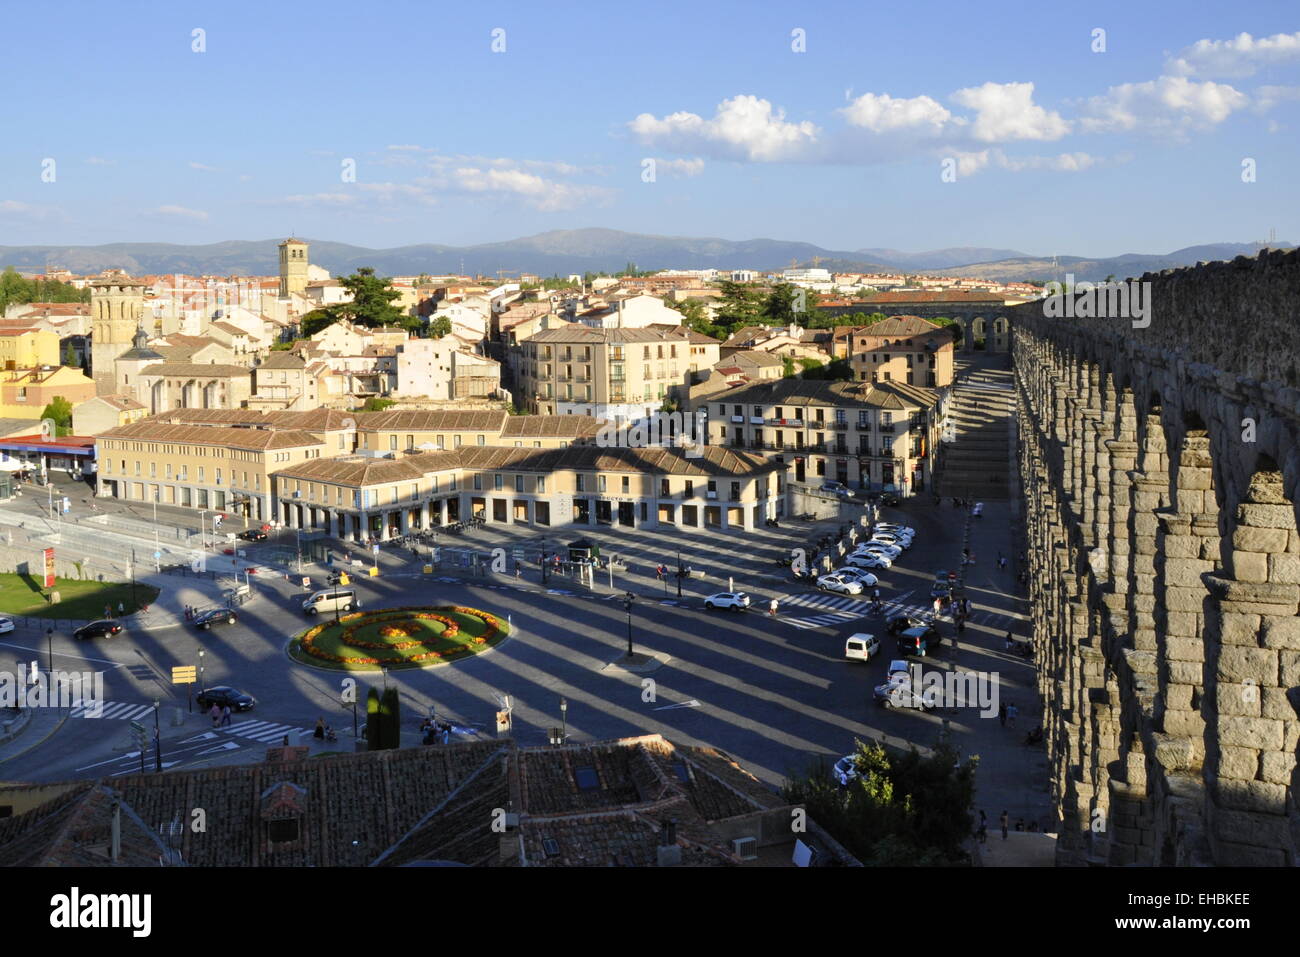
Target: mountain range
{"x": 601, "y": 250}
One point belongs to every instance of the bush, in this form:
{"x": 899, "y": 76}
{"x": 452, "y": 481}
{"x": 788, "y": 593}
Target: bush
{"x": 373, "y": 723}
{"x": 390, "y": 719}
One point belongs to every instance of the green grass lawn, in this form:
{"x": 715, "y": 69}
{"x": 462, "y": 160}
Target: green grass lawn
{"x": 431, "y": 637}
{"x": 21, "y": 595}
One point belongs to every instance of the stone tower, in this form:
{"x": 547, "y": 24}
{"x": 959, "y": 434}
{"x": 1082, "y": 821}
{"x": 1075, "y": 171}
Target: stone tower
{"x": 116, "y": 311}
{"x": 293, "y": 268}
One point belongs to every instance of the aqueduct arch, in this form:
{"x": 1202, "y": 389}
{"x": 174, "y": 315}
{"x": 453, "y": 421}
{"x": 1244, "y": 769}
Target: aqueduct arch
{"x": 1161, "y": 464}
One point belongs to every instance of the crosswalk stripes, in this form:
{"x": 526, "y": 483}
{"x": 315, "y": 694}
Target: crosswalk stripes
{"x": 264, "y": 731}
{"x": 115, "y": 710}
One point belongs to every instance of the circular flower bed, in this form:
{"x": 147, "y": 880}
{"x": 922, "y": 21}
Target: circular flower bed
{"x": 399, "y": 637}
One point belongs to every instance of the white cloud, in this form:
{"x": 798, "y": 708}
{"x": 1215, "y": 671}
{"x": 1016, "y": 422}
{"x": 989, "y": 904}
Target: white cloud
{"x": 98, "y": 161}
{"x": 538, "y": 192}
{"x": 183, "y": 212}
{"x": 1006, "y": 111}
{"x": 970, "y": 163}
{"x": 405, "y": 148}
{"x": 319, "y": 199}
{"x": 1241, "y": 56}
{"x": 1061, "y": 163}
{"x": 1164, "y": 105}
{"x": 1267, "y": 97}
{"x": 882, "y": 113}
{"x": 742, "y": 128}
{"x": 204, "y": 167}
{"x": 390, "y": 192}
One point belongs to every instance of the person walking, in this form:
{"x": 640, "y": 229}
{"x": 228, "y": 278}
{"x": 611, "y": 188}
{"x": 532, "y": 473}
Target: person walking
{"x": 225, "y": 716}
{"x": 1002, "y": 714}
{"x": 982, "y": 835}
{"x": 320, "y": 729}
{"x": 1004, "y": 825}
{"x": 772, "y": 606}
{"x": 215, "y": 714}
{"x": 1012, "y": 711}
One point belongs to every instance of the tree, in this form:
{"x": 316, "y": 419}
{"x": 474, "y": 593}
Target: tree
{"x": 17, "y": 290}
{"x": 739, "y": 305}
{"x": 372, "y": 300}
{"x": 376, "y": 404}
{"x": 788, "y": 370}
{"x": 70, "y": 357}
{"x": 373, "y": 722}
{"x": 316, "y": 320}
{"x": 439, "y": 326}
{"x": 60, "y": 411}
{"x": 952, "y": 325}
{"x": 390, "y": 719}
{"x": 902, "y": 809}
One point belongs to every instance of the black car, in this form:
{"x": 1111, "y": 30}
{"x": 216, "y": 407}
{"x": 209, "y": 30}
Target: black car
{"x": 901, "y": 623}
{"x": 253, "y": 535}
{"x": 98, "y": 629}
{"x": 215, "y": 616}
{"x": 224, "y": 695}
{"x": 919, "y": 641}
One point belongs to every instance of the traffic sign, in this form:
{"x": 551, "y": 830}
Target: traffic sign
{"x": 306, "y": 582}
{"x": 375, "y": 548}
{"x": 137, "y": 727}
{"x": 184, "y": 674}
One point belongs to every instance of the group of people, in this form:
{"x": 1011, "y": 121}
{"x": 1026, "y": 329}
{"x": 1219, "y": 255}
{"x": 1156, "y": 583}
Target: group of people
{"x": 324, "y": 732}
{"x": 432, "y": 729}
{"x": 982, "y": 832}
{"x": 220, "y": 715}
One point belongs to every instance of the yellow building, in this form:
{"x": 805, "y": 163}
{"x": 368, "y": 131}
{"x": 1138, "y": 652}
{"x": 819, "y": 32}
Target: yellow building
{"x": 24, "y": 393}
{"x": 28, "y": 348}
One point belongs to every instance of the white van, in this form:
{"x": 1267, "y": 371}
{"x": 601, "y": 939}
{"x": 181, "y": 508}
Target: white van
{"x": 329, "y": 599}
{"x": 861, "y": 647}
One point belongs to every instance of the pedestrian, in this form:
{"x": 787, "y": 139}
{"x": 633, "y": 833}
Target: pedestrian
{"x": 1002, "y": 714}
{"x": 225, "y": 716}
{"x": 121, "y": 608}
{"x": 1004, "y": 825}
{"x": 876, "y": 594}
{"x": 772, "y": 606}
{"x": 215, "y": 714}
{"x": 1002, "y": 562}
{"x": 1012, "y": 711}
{"x": 519, "y": 572}
{"x": 108, "y": 611}
{"x": 320, "y": 729}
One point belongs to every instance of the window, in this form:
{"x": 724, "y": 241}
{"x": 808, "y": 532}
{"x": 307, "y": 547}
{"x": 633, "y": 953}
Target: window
{"x": 690, "y": 488}
{"x": 153, "y": 469}
{"x": 519, "y": 483}
{"x": 498, "y": 481}
{"x": 627, "y": 484}
{"x": 456, "y": 442}
{"x": 541, "y": 484}
{"x": 200, "y": 473}
{"x": 218, "y": 476}
{"x": 735, "y": 491}
{"x": 434, "y": 487}
{"x": 581, "y": 483}
{"x": 137, "y": 467}
{"x": 392, "y": 443}
{"x": 441, "y": 442}
{"x": 482, "y": 440}
{"x": 478, "y": 482}
{"x": 600, "y": 483}
{"x": 664, "y": 489}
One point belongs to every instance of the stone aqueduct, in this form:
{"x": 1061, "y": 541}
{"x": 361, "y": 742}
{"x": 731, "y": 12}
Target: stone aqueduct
{"x": 1161, "y": 473}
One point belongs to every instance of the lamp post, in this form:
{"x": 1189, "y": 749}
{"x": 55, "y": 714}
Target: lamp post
{"x": 201, "y": 684}
{"x": 681, "y": 573}
{"x": 49, "y": 650}
{"x": 564, "y": 720}
{"x": 543, "y": 559}
{"x": 628, "y": 599}
{"x": 354, "y": 716}
{"x": 203, "y": 532}
{"x": 157, "y": 736}
{"x": 157, "y": 550}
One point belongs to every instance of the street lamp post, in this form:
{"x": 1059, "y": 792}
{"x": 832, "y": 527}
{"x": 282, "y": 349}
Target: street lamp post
{"x": 49, "y": 650}
{"x": 628, "y": 599}
{"x": 201, "y": 684}
{"x": 564, "y": 720}
{"x": 681, "y": 573}
{"x": 157, "y": 736}
{"x": 543, "y": 559}
{"x": 203, "y": 532}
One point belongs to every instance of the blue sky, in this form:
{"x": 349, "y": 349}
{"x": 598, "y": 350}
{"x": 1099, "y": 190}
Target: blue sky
{"x": 1055, "y": 148}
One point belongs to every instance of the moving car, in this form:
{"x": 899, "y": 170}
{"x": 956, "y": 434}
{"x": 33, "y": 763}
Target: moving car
{"x": 837, "y": 488}
{"x": 978, "y": 510}
{"x": 899, "y": 670}
{"x": 223, "y": 695}
{"x": 735, "y": 600}
{"x": 6, "y": 624}
{"x": 869, "y": 560}
{"x": 901, "y": 623}
{"x": 861, "y": 647}
{"x": 857, "y": 574}
{"x": 98, "y": 629}
{"x": 918, "y": 641}
{"x": 900, "y": 694}
{"x": 328, "y": 599}
{"x": 215, "y": 616}
{"x": 843, "y": 586}
{"x": 253, "y": 535}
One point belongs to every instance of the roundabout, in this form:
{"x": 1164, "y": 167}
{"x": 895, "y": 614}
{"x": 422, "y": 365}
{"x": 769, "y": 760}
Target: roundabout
{"x": 398, "y": 638}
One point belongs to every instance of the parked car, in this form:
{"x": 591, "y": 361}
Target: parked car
{"x": 735, "y": 600}
{"x": 892, "y": 527}
{"x": 846, "y": 768}
{"x": 837, "y": 488}
{"x": 103, "y": 628}
{"x": 842, "y": 586}
{"x": 861, "y": 647}
{"x": 978, "y": 510}
{"x": 869, "y": 560}
{"x": 330, "y": 599}
{"x": 900, "y": 694}
{"x": 6, "y": 624}
{"x": 253, "y": 535}
{"x": 866, "y": 579}
{"x": 215, "y": 616}
{"x": 880, "y": 548}
{"x": 942, "y": 589}
{"x": 919, "y": 641}
{"x": 901, "y": 623}
{"x": 223, "y": 695}
{"x": 889, "y": 538}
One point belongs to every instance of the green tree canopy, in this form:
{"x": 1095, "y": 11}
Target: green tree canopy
{"x": 59, "y": 410}
{"x": 439, "y": 327}
{"x": 16, "y": 289}
{"x": 371, "y": 305}
{"x": 904, "y": 809}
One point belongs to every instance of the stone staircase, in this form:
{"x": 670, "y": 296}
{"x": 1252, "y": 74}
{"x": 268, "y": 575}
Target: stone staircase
{"x": 977, "y": 462}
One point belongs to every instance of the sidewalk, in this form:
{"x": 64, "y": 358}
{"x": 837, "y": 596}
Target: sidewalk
{"x": 41, "y": 724}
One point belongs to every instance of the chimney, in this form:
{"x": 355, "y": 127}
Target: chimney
{"x": 669, "y": 851}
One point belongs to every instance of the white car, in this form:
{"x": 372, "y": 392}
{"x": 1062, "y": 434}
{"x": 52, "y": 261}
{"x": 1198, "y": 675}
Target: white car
{"x": 866, "y": 579}
{"x": 879, "y": 548}
{"x": 843, "y": 586}
{"x": 888, "y": 538}
{"x": 870, "y": 560}
{"x": 6, "y": 624}
{"x": 891, "y": 527}
{"x": 735, "y": 600}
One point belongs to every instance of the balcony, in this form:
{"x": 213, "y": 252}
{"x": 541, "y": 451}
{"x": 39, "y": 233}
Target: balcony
{"x": 839, "y": 426}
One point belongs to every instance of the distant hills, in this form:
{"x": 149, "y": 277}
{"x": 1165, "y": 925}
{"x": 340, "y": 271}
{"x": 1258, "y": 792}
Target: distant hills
{"x": 601, "y": 250}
